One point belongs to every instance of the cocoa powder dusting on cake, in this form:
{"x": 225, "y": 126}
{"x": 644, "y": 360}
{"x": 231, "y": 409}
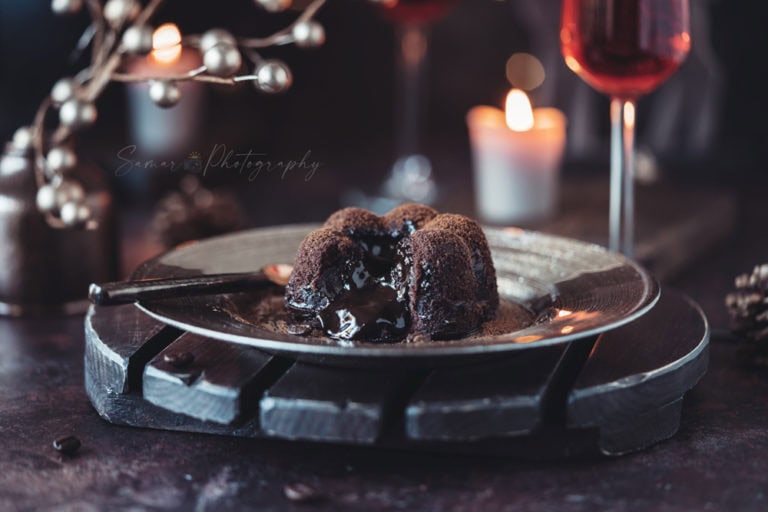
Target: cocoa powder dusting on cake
{"x": 412, "y": 271}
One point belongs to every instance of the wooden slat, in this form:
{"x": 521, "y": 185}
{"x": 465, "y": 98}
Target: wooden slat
{"x": 221, "y": 383}
{"x": 638, "y": 369}
{"x": 134, "y": 338}
{"x": 333, "y": 404}
{"x": 132, "y": 410}
{"x": 486, "y": 400}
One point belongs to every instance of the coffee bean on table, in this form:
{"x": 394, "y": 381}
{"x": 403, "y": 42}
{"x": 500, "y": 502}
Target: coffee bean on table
{"x": 68, "y": 445}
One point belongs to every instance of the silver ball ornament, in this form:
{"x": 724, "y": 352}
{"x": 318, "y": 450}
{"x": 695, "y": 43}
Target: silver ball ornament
{"x": 46, "y": 198}
{"x": 308, "y": 34}
{"x": 164, "y": 93}
{"x": 68, "y": 191}
{"x": 66, "y": 6}
{"x": 274, "y": 5}
{"x": 22, "y": 138}
{"x": 63, "y": 90}
{"x": 60, "y": 159}
{"x": 75, "y": 113}
{"x": 222, "y": 60}
{"x": 116, "y": 11}
{"x": 74, "y": 214}
{"x": 273, "y": 76}
{"x": 212, "y": 37}
{"x": 138, "y": 39}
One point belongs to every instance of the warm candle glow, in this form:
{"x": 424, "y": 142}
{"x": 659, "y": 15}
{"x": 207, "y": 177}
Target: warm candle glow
{"x": 166, "y": 44}
{"x": 518, "y": 111}
{"x": 629, "y": 115}
{"x": 516, "y": 155}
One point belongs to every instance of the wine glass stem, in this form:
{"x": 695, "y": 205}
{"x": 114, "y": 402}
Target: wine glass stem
{"x": 622, "y": 206}
{"x": 412, "y": 52}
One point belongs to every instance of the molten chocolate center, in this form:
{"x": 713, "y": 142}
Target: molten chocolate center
{"x": 373, "y": 305}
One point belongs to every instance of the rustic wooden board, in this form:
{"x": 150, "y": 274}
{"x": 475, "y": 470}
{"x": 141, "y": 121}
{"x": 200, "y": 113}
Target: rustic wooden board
{"x": 620, "y": 393}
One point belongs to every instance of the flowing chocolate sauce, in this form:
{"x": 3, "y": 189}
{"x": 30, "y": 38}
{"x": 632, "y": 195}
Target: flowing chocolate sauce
{"x": 374, "y": 303}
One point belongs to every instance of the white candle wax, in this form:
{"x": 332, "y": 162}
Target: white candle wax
{"x": 165, "y": 132}
{"x": 516, "y": 172}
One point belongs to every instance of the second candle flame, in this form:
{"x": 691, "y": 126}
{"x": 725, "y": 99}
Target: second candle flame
{"x": 518, "y": 111}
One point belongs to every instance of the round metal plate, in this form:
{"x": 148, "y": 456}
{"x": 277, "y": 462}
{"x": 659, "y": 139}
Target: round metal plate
{"x": 595, "y": 290}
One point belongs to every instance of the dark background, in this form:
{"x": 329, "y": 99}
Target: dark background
{"x": 340, "y": 108}
{"x": 341, "y": 104}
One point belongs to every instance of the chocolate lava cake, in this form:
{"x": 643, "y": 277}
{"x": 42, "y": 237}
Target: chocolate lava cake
{"x": 382, "y": 279}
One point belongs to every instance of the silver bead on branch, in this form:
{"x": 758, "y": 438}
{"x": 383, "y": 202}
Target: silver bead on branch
{"x": 164, "y": 93}
{"x": 46, "y": 198}
{"x": 222, "y": 59}
{"x": 119, "y": 11}
{"x": 74, "y": 214}
{"x": 138, "y": 39}
{"x": 76, "y": 114}
{"x": 274, "y": 5}
{"x": 60, "y": 160}
{"x": 52, "y": 196}
{"x": 63, "y": 90}
{"x": 68, "y": 191}
{"x": 66, "y": 6}
{"x": 220, "y": 54}
{"x": 66, "y": 200}
{"x": 22, "y": 138}
{"x": 273, "y": 76}
{"x": 215, "y": 36}
{"x": 308, "y": 34}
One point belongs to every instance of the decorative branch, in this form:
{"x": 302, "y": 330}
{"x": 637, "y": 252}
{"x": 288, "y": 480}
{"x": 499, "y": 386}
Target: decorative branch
{"x": 148, "y": 12}
{"x": 286, "y": 35}
{"x": 94, "y": 9}
{"x": 121, "y": 28}
{"x": 37, "y": 139}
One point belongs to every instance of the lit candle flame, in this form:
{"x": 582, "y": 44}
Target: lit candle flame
{"x": 629, "y": 114}
{"x": 518, "y": 111}
{"x": 166, "y": 44}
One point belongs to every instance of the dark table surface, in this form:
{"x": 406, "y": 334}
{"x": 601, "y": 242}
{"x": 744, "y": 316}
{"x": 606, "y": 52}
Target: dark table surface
{"x": 715, "y": 462}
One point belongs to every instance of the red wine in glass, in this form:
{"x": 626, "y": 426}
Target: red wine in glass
{"x": 625, "y": 49}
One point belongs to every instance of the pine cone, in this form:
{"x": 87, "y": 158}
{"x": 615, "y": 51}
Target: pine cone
{"x": 195, "y": 212}
{"x": 748, "y": 304}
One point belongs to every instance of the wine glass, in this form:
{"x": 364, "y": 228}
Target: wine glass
{"x": 625, "y": 49}
{"x": 410, "y": 178}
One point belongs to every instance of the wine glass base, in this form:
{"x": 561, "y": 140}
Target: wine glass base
{"x": 410, "y": 181}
